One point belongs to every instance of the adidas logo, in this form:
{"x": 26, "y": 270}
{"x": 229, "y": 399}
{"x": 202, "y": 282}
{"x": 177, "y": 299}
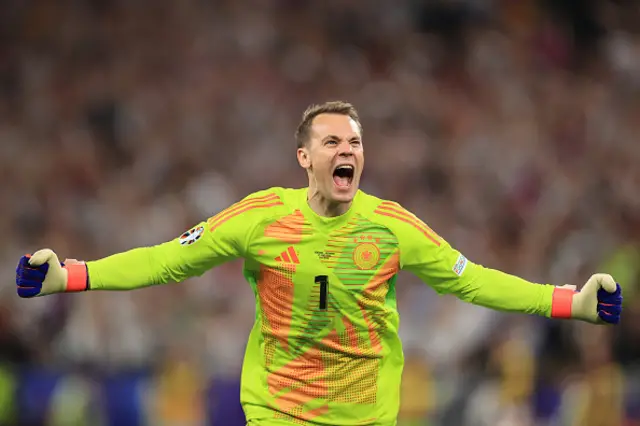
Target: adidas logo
{"x": 288, "y": 256}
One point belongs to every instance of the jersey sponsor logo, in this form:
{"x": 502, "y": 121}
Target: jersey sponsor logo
{"x": 366, "y": 255}
{"x": 460, "y": 265}
{"x": 288, "y": 256}
{"x": 191, "y": 236}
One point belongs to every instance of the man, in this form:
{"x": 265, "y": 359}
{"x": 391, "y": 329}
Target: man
{"x": 323, "y": 262}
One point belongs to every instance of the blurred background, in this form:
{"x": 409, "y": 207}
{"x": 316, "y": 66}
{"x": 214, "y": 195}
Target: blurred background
{"x": 510, "y": 126}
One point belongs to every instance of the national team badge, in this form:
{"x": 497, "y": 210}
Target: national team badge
{"x": 366, "y": 255}
{"x": 191, "y": 236}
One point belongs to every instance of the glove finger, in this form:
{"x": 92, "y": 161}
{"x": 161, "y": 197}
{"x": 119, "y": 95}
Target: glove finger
{"x": 28, "y": 284}
{"x": 43, "y": 256}
{"x": 609, "y": 318}
{"x": 23, "y": 263}
{"x": 21, "y": 282}
{"x": 44, "y": 268}
{"x": 610, "y": 302}
{"x": 32, "y": 274}
{"x": 26, "y": 292}
{"x": 606, "y": 282}
{"x": 611, "y": 309}
{"x": 604, "y": 294}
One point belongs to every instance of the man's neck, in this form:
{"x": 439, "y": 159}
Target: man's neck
{"x": 325, "y": 207}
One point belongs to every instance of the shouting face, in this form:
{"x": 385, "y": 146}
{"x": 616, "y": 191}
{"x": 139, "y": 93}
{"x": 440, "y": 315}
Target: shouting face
{"x": 333, "y": 157}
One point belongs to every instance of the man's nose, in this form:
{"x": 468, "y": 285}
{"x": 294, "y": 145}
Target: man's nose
{"x": 345, "y": 148}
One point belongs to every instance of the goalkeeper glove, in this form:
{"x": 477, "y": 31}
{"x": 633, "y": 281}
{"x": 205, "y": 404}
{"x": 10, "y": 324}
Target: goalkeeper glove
{"x": 42, "y": 273}
{"x": 598, "y": 302}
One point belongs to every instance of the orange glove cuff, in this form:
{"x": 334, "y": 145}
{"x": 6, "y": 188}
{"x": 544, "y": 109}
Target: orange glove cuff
{"x": 77, "y": 278}
{"x": 561, "y": 303}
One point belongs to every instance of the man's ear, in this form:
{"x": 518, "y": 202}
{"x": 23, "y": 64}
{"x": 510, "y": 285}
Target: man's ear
{"x": 303, "y": 158}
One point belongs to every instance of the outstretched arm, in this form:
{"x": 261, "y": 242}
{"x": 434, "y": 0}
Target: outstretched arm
{"x": 192, "y": 254}
{"x": 221, "y": 238}
{"x": 435, "y": 262}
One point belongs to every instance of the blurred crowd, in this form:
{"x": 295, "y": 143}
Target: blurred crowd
{"x": 509, "y": 126}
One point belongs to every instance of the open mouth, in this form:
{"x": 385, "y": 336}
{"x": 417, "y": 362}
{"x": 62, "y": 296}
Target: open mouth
{"x": 343, "y": 175}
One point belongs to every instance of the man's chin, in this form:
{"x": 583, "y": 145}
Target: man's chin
{"x": 344, "y": 194}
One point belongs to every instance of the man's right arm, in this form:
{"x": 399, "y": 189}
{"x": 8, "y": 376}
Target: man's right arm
{"x": 223, "y": 237}
{"x": 192, "y": 254}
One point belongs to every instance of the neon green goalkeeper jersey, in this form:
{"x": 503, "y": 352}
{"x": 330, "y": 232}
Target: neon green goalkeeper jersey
{"x": 324, "y": 348}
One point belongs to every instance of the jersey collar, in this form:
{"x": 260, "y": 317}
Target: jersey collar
{"x": 323, "y": 222}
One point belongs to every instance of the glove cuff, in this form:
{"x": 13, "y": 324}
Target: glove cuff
{"x": 561, "y": 302}
{"x": 77, "y": 277}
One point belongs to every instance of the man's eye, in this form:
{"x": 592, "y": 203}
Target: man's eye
{"x": 356, "y": 142}
{"x": 332, "y": 142}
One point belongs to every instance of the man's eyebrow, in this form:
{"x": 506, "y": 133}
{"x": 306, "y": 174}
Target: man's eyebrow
{"x": 328, "y": 137}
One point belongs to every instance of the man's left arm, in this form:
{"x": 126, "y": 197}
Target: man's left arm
{"x": 599, "y": 300}
{"x": 448, "y": 271}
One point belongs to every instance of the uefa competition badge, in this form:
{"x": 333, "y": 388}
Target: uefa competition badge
{"x": 460, "y": 265}
{"x": 191, "y": 236}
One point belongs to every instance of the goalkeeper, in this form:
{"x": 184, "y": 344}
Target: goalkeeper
{"x": 323, "y": 262}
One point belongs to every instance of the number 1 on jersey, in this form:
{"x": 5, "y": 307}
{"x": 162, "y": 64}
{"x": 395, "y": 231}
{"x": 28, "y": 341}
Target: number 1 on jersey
{"x": 323, "y": 280}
